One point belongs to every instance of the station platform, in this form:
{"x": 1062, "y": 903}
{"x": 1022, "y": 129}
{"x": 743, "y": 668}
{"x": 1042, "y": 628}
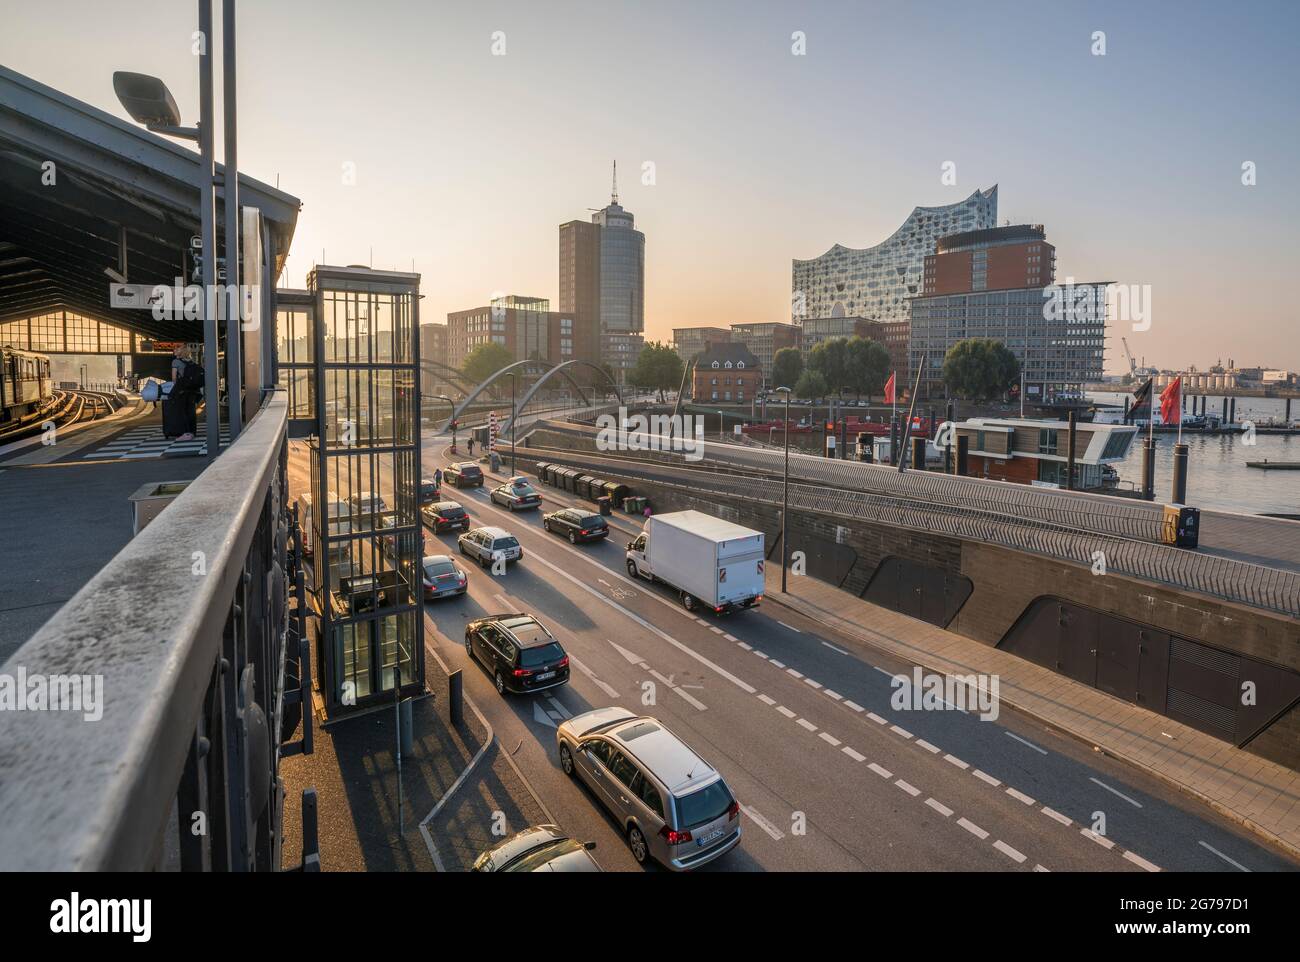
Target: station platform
{"x": 67, "y": 509}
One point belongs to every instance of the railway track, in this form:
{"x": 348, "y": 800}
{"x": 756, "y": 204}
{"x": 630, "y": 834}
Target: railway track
{"x": 64, "y": 409}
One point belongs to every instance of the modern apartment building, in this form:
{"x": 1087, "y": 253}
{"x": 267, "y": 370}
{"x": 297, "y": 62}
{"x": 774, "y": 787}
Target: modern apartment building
{"x": 764, "y": 340}
{"x": 875, "y": 282}
{"x": 689, "y": 341}
{"x": 602, "y": 281}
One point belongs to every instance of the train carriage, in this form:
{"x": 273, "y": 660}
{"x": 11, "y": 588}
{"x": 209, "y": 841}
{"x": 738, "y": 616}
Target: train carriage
{"x": 25, "y": 383}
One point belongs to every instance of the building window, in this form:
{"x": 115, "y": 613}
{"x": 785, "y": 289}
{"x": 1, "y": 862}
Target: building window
{"x": 1046, "y": 440}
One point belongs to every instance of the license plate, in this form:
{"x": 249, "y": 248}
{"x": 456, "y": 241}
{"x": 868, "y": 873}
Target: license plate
{"x": 545, "y": 675}
{"x": 712, "y": 836}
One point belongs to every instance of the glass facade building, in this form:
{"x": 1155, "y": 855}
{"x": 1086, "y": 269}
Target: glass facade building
{"x": 875, "y": 282}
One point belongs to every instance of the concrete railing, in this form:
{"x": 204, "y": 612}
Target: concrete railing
{"x": 183, "y": 636}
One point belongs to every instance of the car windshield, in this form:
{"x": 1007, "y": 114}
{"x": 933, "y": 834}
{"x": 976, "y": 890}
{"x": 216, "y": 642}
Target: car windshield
{"x": 501, "y": 544}
{"x": 541, "y": 655}
{"x": 522, "y": 489}
{"x": 439, "y": 568}
{"x": 469, "y": 469}
{"x": 705, "y": 805}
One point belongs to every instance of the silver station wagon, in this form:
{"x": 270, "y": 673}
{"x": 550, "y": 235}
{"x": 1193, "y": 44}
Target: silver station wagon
{"x": 671, "y": 805}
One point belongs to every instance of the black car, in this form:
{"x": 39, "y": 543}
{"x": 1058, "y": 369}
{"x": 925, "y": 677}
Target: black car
{"x": 464, "y": 474}
{"x": 445, "y": 516}
{"x": 428, "y": 491}
{"x": 543, "y": 848}
{"x": 520, "y": 653}
{"x": 577, "y": 525}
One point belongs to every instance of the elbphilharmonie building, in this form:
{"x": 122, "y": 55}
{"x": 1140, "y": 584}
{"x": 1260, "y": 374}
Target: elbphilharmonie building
{"x": 875, "y": 282}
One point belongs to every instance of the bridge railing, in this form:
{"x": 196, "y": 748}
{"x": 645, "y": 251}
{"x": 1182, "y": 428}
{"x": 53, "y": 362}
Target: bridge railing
{"x": 169, "y": 666}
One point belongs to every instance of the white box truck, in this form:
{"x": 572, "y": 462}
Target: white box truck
{"x": 710, "y": 562}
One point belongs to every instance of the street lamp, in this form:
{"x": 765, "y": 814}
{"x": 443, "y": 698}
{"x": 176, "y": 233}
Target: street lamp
{"x": 514, "y": 416}
{"x": 785, "y": 489}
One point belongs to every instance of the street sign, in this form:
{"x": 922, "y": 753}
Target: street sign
{"x": 142, "y": 296}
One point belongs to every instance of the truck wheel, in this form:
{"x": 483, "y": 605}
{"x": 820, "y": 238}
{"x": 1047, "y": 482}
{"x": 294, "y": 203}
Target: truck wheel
{"x": 631, "y": 569}
{"x": 688, "y": 602}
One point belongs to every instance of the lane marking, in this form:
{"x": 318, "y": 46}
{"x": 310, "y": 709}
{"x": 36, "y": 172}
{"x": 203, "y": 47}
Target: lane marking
{"x": 907, "y": 788}
{"x": 767, "y": 699}
{"x": 1019, "y": 796}
{"x": 986, "y": 777}
{"x": 745, "y": 646}
{"x": 1139, "y": 861}
{"x": 607, "y": 688}
{"x": 973, "y": 828}
{"x": 763, "y": 823}
{"x": 778, "y": 664}
{"x": 690, "y": 699}
{"x": 1053, "y": 813}
{"x": 831, "y": 739}
{"x": 785, "y": 711}
{"x": 876, "y": 718}
{"x": 882, "y": 772}
{"x": 1041, "y": 751}
{"x": 731, "y": 637}
{"x": 855, "y": 755}
{"x": 540, "y": 715}
{"x": 854, "y": 705}
{"x": 791, "y": 627}
{"x": 1008, "y": 851}
{"x": 932, "y": 749}
{"x": 503, "y": 599}
{"x": 1039, "y": 868}
{"x": 939, "y": 807}
{"x": 791, "y": 671}
{"x": 832, "y": 694}
{"x": 811, "y": 683}
{"x": 900, "y": 731}
{"x": 555, "y": 703}
{"x": 1101, "y": 840}
{"x": 759, "y": 653}
{"x": 805, "y": 723}
{"x": 1131, "y": 801}
{"x": 834, "y": 648}
{"x": 631, "y": 656}
{"x": 1222, "y": 856}
{"x": 956, "y": 761}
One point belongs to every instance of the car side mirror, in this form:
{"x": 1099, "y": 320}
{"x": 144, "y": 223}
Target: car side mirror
{"x": 589, "y": 846}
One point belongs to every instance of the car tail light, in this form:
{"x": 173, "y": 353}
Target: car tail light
{"x": 674, "y": 837}
{"x": 733, "y": 810}
{"x": 564, "y": 662}
{"x": 584, "y": 532}
{"x": 522, "y": 672}
{"x": 718, "y": 610}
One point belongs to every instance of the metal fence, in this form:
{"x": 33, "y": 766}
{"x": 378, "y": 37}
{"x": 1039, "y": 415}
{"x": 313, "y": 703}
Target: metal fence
{"x": 1269, "y": 588}
{"x": 186, "y": 636}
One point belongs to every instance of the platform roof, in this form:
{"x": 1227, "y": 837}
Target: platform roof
{"x": 110, "y": 176}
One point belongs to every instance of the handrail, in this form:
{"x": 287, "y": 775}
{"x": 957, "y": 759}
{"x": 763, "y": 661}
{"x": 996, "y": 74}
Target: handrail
{"x": 97, "y": 795}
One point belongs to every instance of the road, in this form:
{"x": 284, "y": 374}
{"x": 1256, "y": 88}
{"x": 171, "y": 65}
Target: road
{"x": 799, "y": 722}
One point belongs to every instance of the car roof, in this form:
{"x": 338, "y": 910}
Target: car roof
{"x": 446, "y": 504}
{"x": 460, "y": 465}
{"x": 433, "y": 559}
{"x": 526, "y": 630}
{"x": 668, "y": 758}
{"x": 495, "y": 532}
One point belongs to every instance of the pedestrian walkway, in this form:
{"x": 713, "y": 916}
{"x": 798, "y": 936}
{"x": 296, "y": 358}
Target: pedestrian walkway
{"x": 1260, "y": 795}
{"x": 148, "y": 441}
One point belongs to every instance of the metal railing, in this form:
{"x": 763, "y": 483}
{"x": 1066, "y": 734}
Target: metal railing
{"x": 185, "y": 634}
{"x": 1268, "y": 588}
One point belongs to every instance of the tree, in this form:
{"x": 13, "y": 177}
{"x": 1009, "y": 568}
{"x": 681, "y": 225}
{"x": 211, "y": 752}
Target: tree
{"x": 485, "y": 360}
{"x": 812, "y": 385}
{"x": 658, "y": 367}
{"x": 980, "y": 369}
{"x": 828, "y": 360}
{"x": 866, "y": 365}
{"x": 787, "y": 366}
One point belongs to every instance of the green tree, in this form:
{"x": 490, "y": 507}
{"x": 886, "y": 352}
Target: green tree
{"x": 658, "y": 367}
{"x": 980, "y": 369}
{"x": 787, "y": 366}
{"x": 811, "y": 385}
{"x": 485, "y": 360}
{"x": 829, "y": 360}
{"x": 866, "y": 365}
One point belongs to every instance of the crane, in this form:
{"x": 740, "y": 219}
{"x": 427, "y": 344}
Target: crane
{"x": 1132, "y": 366}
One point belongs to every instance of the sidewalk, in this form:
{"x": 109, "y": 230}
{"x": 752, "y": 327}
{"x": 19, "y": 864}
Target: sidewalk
{"x": 1257, "y": 793}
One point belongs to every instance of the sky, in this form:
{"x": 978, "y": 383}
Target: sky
{"x": 474, "y": 129}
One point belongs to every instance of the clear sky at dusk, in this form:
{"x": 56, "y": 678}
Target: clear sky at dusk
{"x": 466, "y": 162}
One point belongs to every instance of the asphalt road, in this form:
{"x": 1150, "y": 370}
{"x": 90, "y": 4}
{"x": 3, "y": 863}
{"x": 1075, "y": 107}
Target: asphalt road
{"x": 799, "y": 721}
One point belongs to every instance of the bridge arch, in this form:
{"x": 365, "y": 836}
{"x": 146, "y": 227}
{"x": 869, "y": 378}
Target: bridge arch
{"x": 527, "y": 362}
{"x": 560, "y": 369}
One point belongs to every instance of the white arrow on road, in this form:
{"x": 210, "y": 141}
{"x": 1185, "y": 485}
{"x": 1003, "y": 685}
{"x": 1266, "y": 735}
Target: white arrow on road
{"x": 631, "y": 656}
{"x": 540, "y": 716}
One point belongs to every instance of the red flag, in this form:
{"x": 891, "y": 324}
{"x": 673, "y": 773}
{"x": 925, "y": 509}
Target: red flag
{"x": 1171, "y": 402}
{"x": 889, "y": 388}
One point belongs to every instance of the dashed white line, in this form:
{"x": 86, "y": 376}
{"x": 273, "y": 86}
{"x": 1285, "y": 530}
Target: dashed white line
{"x": 832, "y": 694}
{"x": 882, "y": 772}
{"x": 1101, "y": 840}
{"x": 1008, "y": 851}
{"x": 939, "y": 807}
{"x": 603, "y": 686}
{"x": 900, "y": 731}
{"x": 1039, "y": 868}
{"x": 932, "y": 749}
{"x": 745, "y": 646}
{"x": 854, "y": 705}
{"x": 759, "y": 653}
{"x": 911, "y": 790}
{"x": 1054, "y": 814}
{"x": 1019, "y": 796}
{"x": 1139, "y": 861}
{"x": 775, "y": 663}
{"x": 1041, "y": 751}
{"x": 876, "y": 718}
{"x": 855, "y": 755}
{"x": 763, "y": 823}
{"x": 834, "y": 648}
{"x": 791, "y": 671}
{"x": 715, "y": 629}
{"x": 767, "y": 699}
{"x": 1222, "y": 856}
{"x": 564, "y": 712}
{"x": 956, "y": 761}
{"x": 831, "y": 739}
{"x": 1115, "y": 792}
{"x": 730, "y": 637}
{"x": 791, "y": 627}
{"x": 811, "y": 683}
{"x": 973, "y": 828}
{"x": 986, "y": 777}
{"x": 805, "y": 723}
{"x": 785, "y": 711}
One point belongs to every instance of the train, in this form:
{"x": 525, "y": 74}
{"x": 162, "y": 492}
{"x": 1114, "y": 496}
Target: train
{"x": 25, "y": 383}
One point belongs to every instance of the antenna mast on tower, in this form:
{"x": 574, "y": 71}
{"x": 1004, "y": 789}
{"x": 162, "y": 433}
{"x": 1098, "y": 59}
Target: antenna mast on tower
{"x": 613, "y": 194}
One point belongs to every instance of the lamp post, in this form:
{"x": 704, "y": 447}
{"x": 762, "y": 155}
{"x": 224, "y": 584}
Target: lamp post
{"x": 785, "y": 489}
{"x": 514, "y": 416}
